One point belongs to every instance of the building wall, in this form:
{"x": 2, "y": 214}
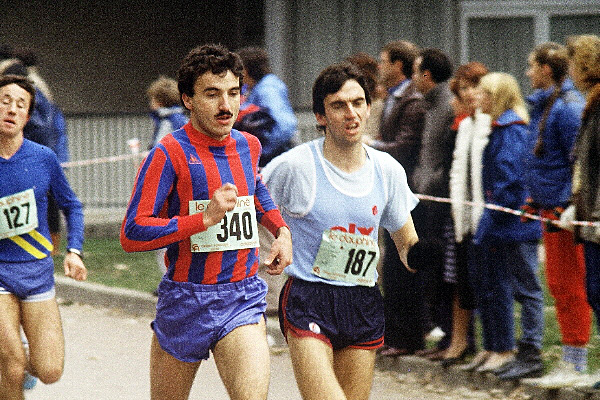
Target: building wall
{"x": 303, "y": 36}
{"x": 502, "y": 33}
{"x": 99, "y": 56}
{"x": 317, "y": 33}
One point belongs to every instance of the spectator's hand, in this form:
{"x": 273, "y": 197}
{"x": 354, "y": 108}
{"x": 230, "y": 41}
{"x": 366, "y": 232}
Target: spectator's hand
{"x": 566, "y": 218}
{"x": 530, "y": 207}
{"x": 74, "y": 267}
{"x": 223, "y": 200}
{"x": 281, "y": 252}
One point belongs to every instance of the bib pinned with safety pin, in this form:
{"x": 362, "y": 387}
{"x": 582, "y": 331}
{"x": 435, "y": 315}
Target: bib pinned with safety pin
{"x": 347, "y": 257}
{"x": 237, "y": 230}
{"x": 18, "y": 214}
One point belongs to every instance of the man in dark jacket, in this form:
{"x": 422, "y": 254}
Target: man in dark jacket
{"x": 402, "y": 121}
{"x": 403, "y": 114}
{"x": 431, "y": 71}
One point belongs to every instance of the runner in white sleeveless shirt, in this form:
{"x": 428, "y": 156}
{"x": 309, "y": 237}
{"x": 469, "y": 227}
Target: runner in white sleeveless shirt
{"x": 334, "y": 193}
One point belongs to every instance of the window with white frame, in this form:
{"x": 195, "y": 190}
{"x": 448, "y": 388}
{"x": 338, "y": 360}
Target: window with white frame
{"x": 501, "y": 33}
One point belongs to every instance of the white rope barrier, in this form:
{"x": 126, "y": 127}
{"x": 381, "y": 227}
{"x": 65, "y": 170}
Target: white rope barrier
{"x": 103, "y": 160}
{"x": 135, "y": 154}
{"x": 506, "y": 210}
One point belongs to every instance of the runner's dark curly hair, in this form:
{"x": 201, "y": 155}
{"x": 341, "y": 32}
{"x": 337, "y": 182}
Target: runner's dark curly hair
{"x": 213, "y": 58}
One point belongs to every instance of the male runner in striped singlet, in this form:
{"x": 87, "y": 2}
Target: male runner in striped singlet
{"x": 198, "y": 194}
{"x": 335, "y": 193}
{"x": 28, "y": 172}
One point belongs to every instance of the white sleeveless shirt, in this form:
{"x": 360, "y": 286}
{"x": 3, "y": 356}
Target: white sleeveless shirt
{"x": 314, "y": 196}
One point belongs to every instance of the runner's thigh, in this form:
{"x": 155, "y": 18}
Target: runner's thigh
{"x": 243, "y": 361}
{"x": 312, "y": 360}
{"x": 11, "y": 347}
{"x": 170, "y": 378}
{"x": 43, "y": 328}
{"x": 354, "y": 371}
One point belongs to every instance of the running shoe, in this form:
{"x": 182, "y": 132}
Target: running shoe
{"x": 29, "y": 382}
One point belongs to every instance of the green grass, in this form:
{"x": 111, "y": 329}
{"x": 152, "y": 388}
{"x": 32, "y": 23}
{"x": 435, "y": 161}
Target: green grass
{"x": 109, "y": 265}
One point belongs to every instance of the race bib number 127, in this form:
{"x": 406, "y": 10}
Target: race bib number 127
{"x": 18, "y": 214}
{"x": 237, "y": 230}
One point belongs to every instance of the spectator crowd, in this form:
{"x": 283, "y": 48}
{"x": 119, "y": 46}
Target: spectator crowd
{"x": 468, "y": 134}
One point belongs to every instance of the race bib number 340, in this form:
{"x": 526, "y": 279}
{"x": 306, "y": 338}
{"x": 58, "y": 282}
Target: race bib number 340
{"x": 347, "y": 257}
{"x": 18, "y": 214}
{"x": 237, "y": 230}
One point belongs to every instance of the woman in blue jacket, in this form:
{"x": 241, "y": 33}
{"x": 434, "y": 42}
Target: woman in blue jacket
{"x": 505, "y": 263}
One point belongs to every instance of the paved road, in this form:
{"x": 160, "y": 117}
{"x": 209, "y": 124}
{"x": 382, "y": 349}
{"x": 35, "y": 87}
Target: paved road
{"x": 107, "y": 358}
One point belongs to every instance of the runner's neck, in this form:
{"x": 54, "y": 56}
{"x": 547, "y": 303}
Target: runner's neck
{"x": 9, "y": 146}
{"x": 348, "y": 159}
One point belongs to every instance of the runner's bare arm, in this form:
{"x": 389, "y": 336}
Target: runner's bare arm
{"x": 281, "y": 252}
{"x": 405, "y": 238}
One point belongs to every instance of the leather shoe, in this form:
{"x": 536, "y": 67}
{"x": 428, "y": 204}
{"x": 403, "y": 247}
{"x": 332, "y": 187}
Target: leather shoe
{"x": 477, "y": 361}
{"x": 495, "y": 361}
{"x": 426, "y": 352}
{"x": 446, "y": 362}
{"x": 527, "y": 364}
{"x": 504, "y": 368}
{"x": 523, "y": 369}
{"x": 395, "y": 352}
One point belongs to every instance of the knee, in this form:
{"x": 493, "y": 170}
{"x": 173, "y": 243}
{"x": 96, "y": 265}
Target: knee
{"x": 533, "y": 295}
{"x": 50, "y": 374}
{"x": 13, "y": 372}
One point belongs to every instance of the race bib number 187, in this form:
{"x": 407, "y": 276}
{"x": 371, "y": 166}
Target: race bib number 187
{"x": 237, "y": 230}
{"x": 18, "y": 214}
{"x": 347, "y": 257}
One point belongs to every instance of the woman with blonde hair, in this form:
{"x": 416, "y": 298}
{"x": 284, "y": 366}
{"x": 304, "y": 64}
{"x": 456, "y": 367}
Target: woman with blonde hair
{"x": 584, "y": 60}
{"x": 504, "y": 263}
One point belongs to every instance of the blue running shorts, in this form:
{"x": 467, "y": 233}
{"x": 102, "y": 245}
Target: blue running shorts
{"x": 27, "y": 279}
{"x": 341, "y": 316}
{"x": 191, "y": 318}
